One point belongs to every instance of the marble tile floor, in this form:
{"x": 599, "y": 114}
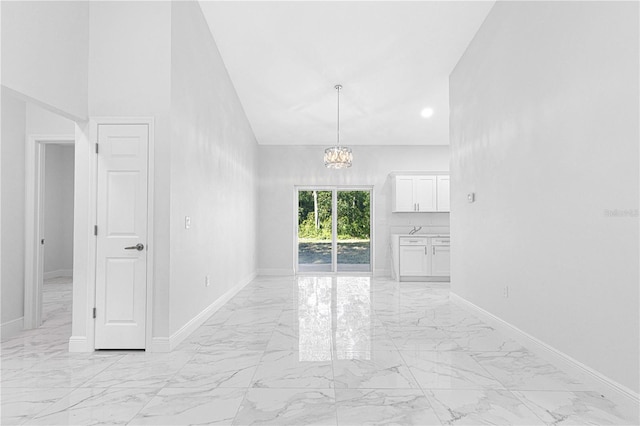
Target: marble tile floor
{"x": 297, "y": 351}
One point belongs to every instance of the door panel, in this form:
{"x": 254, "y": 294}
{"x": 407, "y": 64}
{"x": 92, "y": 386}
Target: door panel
{"x": 121, "y": 281}
{"x": 120, "y": 297}
{"x": 121, "y": 202}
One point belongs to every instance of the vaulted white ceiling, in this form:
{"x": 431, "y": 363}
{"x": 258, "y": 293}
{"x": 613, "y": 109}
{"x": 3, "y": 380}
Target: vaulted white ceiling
{"x": 392, "y": 58}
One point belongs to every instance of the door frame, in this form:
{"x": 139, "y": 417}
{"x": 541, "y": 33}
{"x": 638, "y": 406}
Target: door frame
{"x": 92, "y": 260}
{"x": 334, "y": 226}
{"x": 34, "y": 223}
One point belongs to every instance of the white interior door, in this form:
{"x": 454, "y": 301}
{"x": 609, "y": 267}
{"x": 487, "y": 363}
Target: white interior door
{"x": 121, "y": 255}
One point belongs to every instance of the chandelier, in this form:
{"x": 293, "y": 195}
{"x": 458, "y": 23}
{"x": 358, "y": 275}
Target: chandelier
{"x": 338, "y": 157}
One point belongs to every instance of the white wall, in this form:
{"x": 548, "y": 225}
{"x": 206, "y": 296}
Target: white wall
{"x": 58, "y": 210}
{"x": 158, "y": 59}
{"x": 544, "y": 129}
{"x": 44, "y": 53}
{"x": 13, "y": 163}
{"x": 21, "y": 120}
{"x": 130, "y": 76}
{"x": 44, "y": 61}
{"x": 283, "y": 167}
{"x": 43, "y": 122}
{"x": 213, "y": 172}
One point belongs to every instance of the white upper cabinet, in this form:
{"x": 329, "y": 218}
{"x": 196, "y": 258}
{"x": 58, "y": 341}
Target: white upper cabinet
{"x": 420, "y": 193}
{"x": 443, "y": 194}
{"x": 403, "y": 189}
{"x": 425, "y": 193}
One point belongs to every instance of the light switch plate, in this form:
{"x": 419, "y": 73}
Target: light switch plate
{"x": 187, "y": 222}
{"x": 471, "y": 197}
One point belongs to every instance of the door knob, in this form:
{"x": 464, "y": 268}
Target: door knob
{"x": 138, "y": 247}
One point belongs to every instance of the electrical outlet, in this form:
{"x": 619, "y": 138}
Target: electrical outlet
{"x": 207, "y": 281}
{"x": 505, "y": 292}
{"x": 187, "y": 222}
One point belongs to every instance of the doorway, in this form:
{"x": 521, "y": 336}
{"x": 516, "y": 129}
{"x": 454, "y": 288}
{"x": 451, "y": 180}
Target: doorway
{"x": 49, "y": 241}
{"x": 333, "y": 232}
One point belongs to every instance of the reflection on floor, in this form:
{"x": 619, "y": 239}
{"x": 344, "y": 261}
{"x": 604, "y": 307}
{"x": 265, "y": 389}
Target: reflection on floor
{"x": 307, "y": 350}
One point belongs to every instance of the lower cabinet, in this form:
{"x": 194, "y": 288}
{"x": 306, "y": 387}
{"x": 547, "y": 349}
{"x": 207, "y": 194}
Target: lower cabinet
{"x": 422, "y": 256}
{"x": 414, "y": 261}
{"x": 440, "y": 261}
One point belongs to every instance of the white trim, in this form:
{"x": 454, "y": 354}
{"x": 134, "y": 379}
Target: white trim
{"x": 150, "y": 230}
{"x": 58, "y": 274}
{"x": 382, "y": 273}
{"x": 34, "y": 223}
{"x": 11, "y": 328}
{"x": 160, "y": 344}
{"x": 549, "y": 353}
{"x": 191, "y": 326}
{"x": 85, "y": 275}
{"x": 276, "y": 272}
{"x": 79, "y": 344}
{"x": 94, "y": 123}
{"x": 334, "y": 232}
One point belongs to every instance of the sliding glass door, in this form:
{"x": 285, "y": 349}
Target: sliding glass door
{"x": 333, "y": 230}
{"x": 354, "y": 231}
{"x": 315, "y": 230}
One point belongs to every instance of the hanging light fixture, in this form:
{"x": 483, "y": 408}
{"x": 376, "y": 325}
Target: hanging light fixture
{"x": 338, "y": 157}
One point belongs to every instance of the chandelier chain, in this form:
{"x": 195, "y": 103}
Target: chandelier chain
{"x": 338, "y": 87}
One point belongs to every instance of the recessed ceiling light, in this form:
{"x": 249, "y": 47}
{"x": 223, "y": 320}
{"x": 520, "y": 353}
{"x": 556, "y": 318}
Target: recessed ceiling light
{"x": 427, "y": 112}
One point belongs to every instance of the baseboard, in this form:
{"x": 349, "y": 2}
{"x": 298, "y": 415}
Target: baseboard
{"x": 551, "y": 354}
{"x": 382, "y": 273}
{"x": 79, "y": 344}
{"x": 186, "y": 330}
{"x": 275, "y": 272}
{"x": 427, "y": 279}
{"x": 58, "y": 274}
{"x": 160, "y": 344}
{"x": 11, "y": 328}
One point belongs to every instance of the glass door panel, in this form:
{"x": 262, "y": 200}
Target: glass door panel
{"x": 315, "y": 236}
{"x": 353, "y": 231}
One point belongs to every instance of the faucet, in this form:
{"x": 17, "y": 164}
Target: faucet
{"x": 414, "y": 230}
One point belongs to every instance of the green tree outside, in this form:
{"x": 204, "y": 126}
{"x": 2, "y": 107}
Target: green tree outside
{"x": 314, "y": 215}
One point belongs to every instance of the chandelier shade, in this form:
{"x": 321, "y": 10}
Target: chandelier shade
{"x": 338, "y": 157}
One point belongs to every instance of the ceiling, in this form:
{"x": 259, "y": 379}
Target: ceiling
{"x": 392, "y": 58}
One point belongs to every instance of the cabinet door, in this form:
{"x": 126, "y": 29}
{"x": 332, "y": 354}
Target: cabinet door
{"x": 443, "y": 194}
{"x": 414, "y": 261}
{"x": 404, "y": 194}
{"x": 425, "y": 193}
{"x": 440, "y": 261}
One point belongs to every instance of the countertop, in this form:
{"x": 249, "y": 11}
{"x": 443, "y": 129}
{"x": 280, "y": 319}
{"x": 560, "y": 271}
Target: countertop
{"x": 436, "y": 235}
